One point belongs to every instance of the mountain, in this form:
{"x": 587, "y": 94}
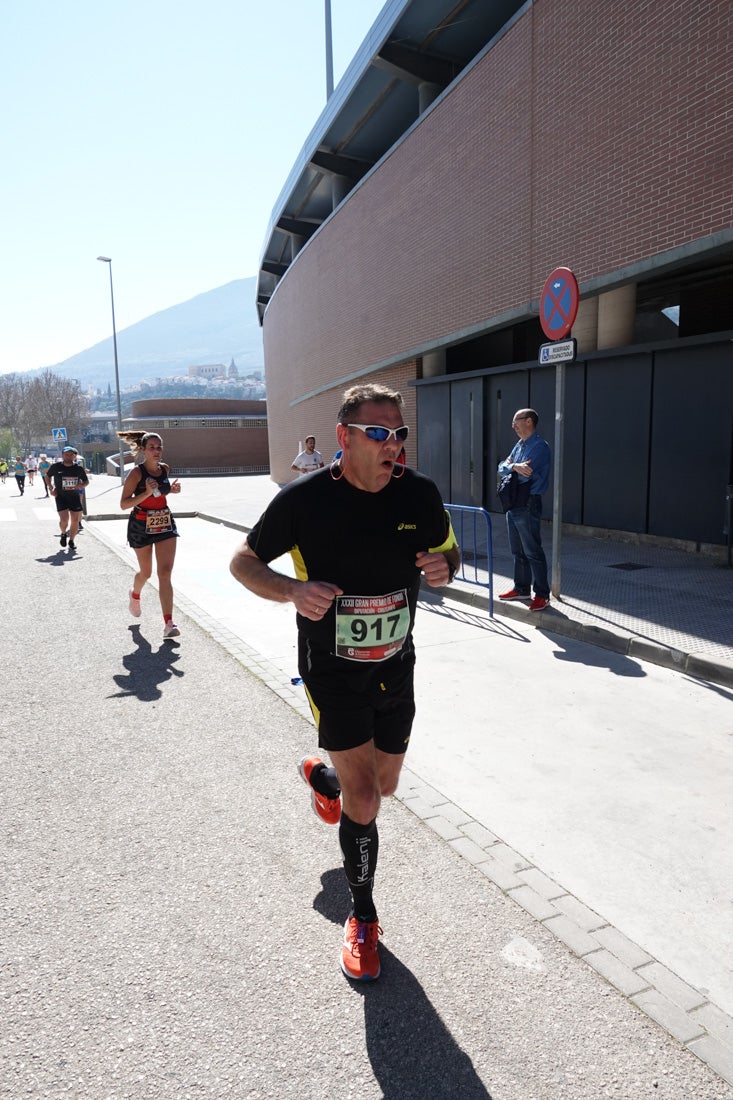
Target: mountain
{"x": 214, "y": 327}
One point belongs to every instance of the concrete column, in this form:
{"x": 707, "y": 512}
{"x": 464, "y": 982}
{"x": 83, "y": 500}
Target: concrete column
{"x": 585, "y": 329}
{"x": 427, "y": 94}
{"x": 616, "y": 311}
{"x": 433, "y": 363}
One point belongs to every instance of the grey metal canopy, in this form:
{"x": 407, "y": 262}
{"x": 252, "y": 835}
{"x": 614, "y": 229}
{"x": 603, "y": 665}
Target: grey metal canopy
{"x": 413, "y": 52}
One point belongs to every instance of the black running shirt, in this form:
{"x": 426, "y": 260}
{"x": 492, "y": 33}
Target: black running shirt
{"x": 366, "y": 543}
{"x": 67, "y": 479}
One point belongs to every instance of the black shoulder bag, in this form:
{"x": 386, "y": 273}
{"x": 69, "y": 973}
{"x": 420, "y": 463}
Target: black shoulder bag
{"x": 512, "y": 492}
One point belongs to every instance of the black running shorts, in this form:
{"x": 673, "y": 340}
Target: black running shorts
{"x": 353, "y": 704}
{"x": 68, "y": 502}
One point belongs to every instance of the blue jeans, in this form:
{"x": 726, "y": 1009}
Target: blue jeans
{"x": 525, "y": 543}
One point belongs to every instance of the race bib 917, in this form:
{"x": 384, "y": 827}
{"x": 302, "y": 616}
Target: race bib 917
{"x": 371, "y": 628}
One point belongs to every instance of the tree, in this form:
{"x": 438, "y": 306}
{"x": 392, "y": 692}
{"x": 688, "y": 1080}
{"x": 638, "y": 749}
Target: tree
{"x": 11, "y": 404}
{"x": 8, "y": 444}
{"x": 31, "y": 407}
{"x": 58, "y": 402}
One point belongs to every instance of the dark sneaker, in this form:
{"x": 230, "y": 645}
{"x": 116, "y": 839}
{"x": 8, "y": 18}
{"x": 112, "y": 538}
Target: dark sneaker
{"x": 539, "y": 603}
{"x": 328, "y": 809}
{"x": 72, "y": 544}
{"x": 360, "y": 950}
{"x": 512, "y": 594}
{"x": 64, "y": 538}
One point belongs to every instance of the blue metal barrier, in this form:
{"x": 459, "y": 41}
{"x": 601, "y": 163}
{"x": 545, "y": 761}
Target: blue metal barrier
{"x": 472, "y": 528}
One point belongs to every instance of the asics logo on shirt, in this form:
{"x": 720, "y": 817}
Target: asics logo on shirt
{"x": 407, "y": 527}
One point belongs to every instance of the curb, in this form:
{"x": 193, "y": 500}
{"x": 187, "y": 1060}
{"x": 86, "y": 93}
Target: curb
{"x": 615, "y": 639}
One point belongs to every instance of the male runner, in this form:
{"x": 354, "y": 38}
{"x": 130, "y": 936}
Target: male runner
{"x": 64, "y": 479}
{"x": 361, "y": 533}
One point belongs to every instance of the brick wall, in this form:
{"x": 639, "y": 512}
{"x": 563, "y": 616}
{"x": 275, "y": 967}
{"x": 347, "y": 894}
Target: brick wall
{"x": 205, "y": 446}
{"x": 593, "y": 136}
{"x": 198, "y": 406}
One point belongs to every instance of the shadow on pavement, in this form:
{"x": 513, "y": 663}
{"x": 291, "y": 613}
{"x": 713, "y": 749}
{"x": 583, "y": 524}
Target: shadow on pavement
{"x": 716, "y": 689}
{"x": 609, "y": 580}
{"x": 481, "y": 621}
{"x": 593, "y": 657}
{"x": 413, "y": 1055}
{"x": 60, "y": 557}
{"x": 146, "y": 669}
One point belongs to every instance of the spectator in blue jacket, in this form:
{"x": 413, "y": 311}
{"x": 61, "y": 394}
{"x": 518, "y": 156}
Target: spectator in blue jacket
{"x": 530, "y": 458}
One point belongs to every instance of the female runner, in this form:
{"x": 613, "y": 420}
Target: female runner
{"x": 19, "y": 472}
{"x": 43, "y": 467}
{"x": 151, "y": 524}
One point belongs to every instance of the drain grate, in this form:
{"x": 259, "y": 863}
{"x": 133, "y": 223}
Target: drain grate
{"x": 629, "y": 565}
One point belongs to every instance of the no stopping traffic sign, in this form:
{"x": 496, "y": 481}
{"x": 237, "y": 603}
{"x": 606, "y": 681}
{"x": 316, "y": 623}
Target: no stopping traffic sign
{"x": 559, "y": 303}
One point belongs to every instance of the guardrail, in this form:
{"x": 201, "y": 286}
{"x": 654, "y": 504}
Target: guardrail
{"x": 472, "y": 528}
{"x": 193, "y": 471}
{"x": 218, "y": 471}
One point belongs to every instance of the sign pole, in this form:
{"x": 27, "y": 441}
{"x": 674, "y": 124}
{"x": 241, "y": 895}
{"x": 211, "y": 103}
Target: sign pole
{"x": 556, "y": 574}
{"x": 559, "y": 302}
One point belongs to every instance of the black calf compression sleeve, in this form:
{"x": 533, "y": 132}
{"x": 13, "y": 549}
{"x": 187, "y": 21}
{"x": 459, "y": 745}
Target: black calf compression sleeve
{"x": 359, "y": 847}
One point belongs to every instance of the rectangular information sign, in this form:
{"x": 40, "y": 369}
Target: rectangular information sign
{"x": 560, "y": 351}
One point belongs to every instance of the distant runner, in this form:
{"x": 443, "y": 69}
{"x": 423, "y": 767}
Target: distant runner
{"x": 43, "y": 467}
{"x": 151, "y": 523}
{"x": 64, "y": 479}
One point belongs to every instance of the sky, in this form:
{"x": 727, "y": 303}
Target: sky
{"x": 157, "y": 132}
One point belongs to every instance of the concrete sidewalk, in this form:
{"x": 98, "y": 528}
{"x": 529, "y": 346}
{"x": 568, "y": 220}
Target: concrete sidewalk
{"x": 629, "y": 864}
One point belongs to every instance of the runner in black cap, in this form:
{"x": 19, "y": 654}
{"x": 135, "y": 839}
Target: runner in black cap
{"x": 64, "y": 479}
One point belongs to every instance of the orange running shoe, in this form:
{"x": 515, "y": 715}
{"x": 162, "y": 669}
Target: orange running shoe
{"x": 360, "y": 951}
{"x": 328, "y": 809}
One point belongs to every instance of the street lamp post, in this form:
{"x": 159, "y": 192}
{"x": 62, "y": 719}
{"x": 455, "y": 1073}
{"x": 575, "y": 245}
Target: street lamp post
{"x": 329, "y": 51}
{"x": 108, "y": 260}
